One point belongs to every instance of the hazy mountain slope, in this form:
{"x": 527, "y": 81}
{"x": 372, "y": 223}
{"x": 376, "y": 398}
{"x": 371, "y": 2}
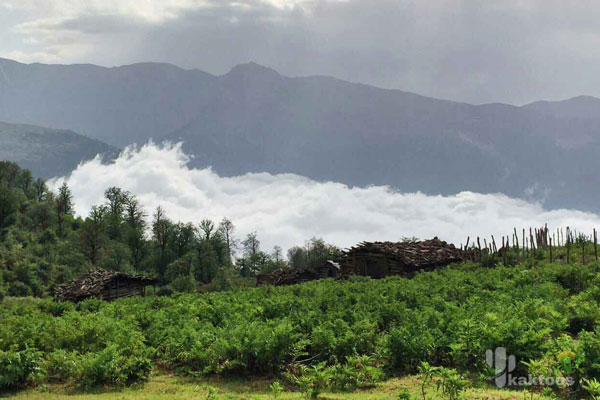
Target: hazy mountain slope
{"x": 328, "y": 129}
{"x": 116, "y": 105}
{"x": 48, "y": 152}
{"x": 254, "y": 119}
{"x": 576, "y": 120}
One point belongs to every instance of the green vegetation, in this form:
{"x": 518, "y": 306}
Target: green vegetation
{"x": 326, "y": 336}
{"x": 321, "y": 336}
{"x": 43, "y": 244}
{"x": 167, "y": 386}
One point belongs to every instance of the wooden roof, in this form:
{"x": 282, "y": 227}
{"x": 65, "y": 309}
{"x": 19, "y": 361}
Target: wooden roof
{"x": 93, "y": 283}
{"x": 417, "y": 254}
{"x": 286, "y": 276}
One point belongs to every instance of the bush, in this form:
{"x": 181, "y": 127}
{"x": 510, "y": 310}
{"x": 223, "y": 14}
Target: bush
{"x": 359, "y": 372}
{"x": 17, "y": 367}
{"x": 111, "y": 367}
{"x": 408, "y": 346}
{"x": 589, "y": 352}
{"x": 58, "y": 366}
{"x": 311, "y": 381}
{"x": 448, "y": 317}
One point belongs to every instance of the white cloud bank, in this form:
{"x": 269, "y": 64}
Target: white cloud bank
{"x": 287, "y": 209}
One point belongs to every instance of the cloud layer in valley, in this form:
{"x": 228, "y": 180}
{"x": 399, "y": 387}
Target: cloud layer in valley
{"x": 287, "y": 209}
{"x": 477, "y": 51}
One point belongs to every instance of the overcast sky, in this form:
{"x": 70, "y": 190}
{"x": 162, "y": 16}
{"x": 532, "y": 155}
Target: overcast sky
{"x": 513, "y": 51}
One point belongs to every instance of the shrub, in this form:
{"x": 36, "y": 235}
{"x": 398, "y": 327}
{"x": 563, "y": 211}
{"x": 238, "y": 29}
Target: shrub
{"x": 56, "y": 309}
{"x": 17, "y": 367}
{"x": 276, "y": 389}
{"x": 311, "y": 381}
{"x": 589, "y": 352}
{"x": 58, "y": 366}
{"x": 359, "y": 372}
{"x": 408, "y": 346}
{"x": 450, "y": 383}
{"x": 111, "y": 367}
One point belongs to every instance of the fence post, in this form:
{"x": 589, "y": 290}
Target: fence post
{"x": 595, "y": 245}
{"x": 568, "y": 245}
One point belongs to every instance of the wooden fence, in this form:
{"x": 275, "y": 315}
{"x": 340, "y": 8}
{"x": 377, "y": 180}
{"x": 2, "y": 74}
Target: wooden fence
{"x": 555, "y": 246}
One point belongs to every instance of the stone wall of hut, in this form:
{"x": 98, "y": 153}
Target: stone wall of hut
{"x": 119, "y": 288}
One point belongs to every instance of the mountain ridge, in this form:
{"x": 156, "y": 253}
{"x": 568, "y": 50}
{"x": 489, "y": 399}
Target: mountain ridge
{"x": 253, "y": 119}
{"x": 48, "y": 152}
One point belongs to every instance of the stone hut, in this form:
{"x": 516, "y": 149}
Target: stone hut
{"x": 103, "y": 284}
{"x": 381, "y": 259}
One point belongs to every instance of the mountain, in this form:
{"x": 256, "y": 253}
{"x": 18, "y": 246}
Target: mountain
{"x": 118, "y": 106}
{"x": 254, "y": 119}
{"x": 48, "y": 152}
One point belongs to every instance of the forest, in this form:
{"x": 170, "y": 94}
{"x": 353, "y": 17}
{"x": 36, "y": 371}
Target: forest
{"x": 43, "y": 244}
{"x": 206, "y": 319}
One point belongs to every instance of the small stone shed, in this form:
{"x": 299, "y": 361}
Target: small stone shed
{"x": 381, "y": 259}
{"x": 103, "y": 284}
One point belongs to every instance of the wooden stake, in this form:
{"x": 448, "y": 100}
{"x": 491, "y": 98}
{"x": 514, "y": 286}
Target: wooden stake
{"x": 595, "y": 244}
{"x": 568, "y": 245}
{"x": 550, "y": 240}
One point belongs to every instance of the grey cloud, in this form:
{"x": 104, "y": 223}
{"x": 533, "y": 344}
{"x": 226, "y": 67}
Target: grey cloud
{"x": 509, "y": 51}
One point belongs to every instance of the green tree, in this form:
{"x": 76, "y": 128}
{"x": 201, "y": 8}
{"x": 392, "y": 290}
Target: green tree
{"x": 9, "y": 207}
{"x": 227, "y": 232}
{"x": 93, "y": 234}
{"x": 207, "y": 228}
{"x": 64, "y": 206}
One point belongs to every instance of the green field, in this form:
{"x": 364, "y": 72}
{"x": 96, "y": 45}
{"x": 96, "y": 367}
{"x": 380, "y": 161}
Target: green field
{"x": 177, "y": 388}
{"x": 334, "y": 339}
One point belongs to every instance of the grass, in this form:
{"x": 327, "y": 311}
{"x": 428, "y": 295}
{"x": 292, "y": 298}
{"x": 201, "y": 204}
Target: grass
{"x": 166, "y": 386}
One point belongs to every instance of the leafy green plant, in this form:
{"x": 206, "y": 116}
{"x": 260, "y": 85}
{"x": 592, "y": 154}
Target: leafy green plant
{"x": 592, "y": 387}
{"x": 311, "y": 381}
{"x": 358, "y": 372}
{"x": 112, "y": 366}
{"x": 17, "y": 367}
{"x": 450, "y": 383}
{"x": 58, "y": 366}
{"x": 276, "y": 389}
{"x": 405, "y": 395}
{"x": 426, "y": 375}
{"x": 212, "y": 393}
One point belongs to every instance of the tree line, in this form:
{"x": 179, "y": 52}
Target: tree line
{"x": 43, "y": 242}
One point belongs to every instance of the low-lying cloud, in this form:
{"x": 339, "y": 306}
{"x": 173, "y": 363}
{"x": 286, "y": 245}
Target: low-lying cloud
{"x": 287, "y": 209}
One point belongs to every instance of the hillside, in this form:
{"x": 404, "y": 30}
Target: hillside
{"x": 254, "y": 119}
{"x": 336, "y": 336}
{"x": 48, "y": 152}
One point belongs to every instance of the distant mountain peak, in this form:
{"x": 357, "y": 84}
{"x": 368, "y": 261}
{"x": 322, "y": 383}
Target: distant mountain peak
{"x": 583, "y": 99}
{"x": 252, "y": 69}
